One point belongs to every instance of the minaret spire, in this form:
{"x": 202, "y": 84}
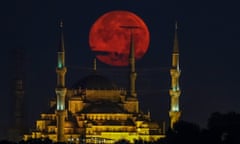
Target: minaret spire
{"x": 175, "y": 91}
{"x": 61, "y": 46}
{"x": 175, "y": 43}
{"x": 94, "y": 65}
{"x": 132, "y": 104}
{"x": 61, "y": 89}
{"x": 133, "y": 74}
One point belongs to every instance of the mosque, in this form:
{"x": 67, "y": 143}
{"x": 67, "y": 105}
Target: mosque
{"x": 96, "y": 110}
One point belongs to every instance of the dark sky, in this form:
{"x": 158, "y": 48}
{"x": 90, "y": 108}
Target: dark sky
{"x": 208, "y": 40}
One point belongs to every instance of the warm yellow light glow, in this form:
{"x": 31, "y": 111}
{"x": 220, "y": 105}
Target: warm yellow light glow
{"x": 175, "y": 108}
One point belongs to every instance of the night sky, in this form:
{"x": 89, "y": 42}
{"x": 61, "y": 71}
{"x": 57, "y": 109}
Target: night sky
{"x": 208, "y": 41}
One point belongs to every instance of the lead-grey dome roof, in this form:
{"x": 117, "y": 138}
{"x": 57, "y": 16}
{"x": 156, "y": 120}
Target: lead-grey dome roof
{"x": 95, "y": 81}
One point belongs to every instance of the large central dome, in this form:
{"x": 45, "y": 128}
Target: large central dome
{"x": 95, "y": 81}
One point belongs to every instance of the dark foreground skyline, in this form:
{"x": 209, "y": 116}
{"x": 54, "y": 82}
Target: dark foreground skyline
{"x": 208, "y": 41}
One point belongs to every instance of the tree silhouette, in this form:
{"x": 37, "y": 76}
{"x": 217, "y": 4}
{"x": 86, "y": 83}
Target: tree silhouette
{"x": 224, "y": 128}
{"x": 182, "y": 132}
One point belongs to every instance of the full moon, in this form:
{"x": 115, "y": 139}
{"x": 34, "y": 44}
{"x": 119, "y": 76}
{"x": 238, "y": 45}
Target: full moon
{"x": 111, "y": 42}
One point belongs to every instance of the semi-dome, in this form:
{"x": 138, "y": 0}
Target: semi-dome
{"x": 95, "y": 81}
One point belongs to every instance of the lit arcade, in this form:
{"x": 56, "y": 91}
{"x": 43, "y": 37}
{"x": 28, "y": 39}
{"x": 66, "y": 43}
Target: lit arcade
{"x": 95, "y": 110}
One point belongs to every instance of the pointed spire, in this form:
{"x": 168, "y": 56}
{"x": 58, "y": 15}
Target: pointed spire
{"x": 149, "y": 114}
{"x": 175, "y": 44}
{"x": 176, "y": 25}
{"x": 61, "y": 45}
{"x": 133, "y": 74}
{"x": 132, "y": 52}
{"x": 94, "y": 65}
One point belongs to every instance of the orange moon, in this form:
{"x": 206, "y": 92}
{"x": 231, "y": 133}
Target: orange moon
{"x": 111, "y": 43}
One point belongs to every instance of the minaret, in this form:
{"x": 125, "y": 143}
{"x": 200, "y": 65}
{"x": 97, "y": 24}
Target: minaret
{"x": 18, "y": 92}
{"x": 61, "y": 89}
{"x": 133, "y": 74}
{"x": 132, "y": 104}
{"x": 175, "y": 91}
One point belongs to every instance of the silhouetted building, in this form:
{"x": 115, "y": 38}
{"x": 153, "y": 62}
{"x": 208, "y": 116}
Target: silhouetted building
{"x": 17, "y": 125}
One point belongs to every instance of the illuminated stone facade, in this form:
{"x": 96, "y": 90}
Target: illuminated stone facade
{"x": 98, "y": 111}
{"x": 95, "y": 110}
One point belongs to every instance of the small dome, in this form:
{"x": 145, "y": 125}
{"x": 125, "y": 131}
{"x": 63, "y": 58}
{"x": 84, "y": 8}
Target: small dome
{"x": 95, "y": 81}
